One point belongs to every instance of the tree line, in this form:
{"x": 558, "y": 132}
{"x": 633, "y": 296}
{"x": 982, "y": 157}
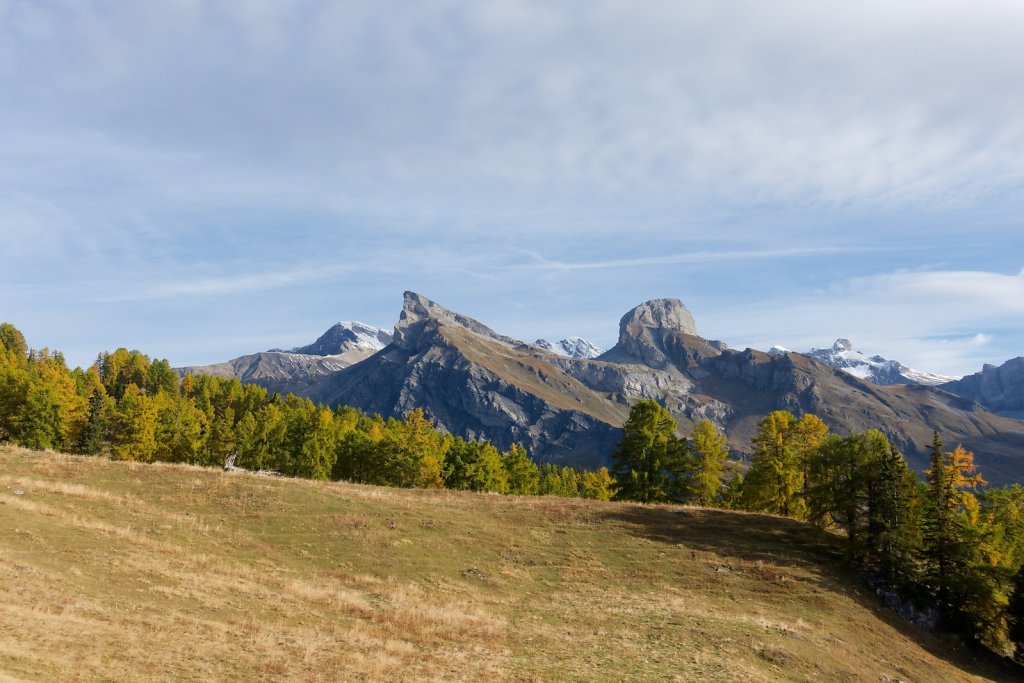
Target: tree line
{"x": 946, "y": 542}
{"x": 129, "y": 407}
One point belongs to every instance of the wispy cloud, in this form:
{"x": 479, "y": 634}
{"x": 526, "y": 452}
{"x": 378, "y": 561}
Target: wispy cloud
{"x": 561, "y": 157}
{"x": 540, "y": 262}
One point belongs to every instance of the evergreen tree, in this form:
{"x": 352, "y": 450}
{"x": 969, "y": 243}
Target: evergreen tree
{"x": 179, "y": 430}
{"x": 711, "y": 456}
{"x": 38, "y": 423}
{"x": 1015, "y": 613}
{"x": 12, "y": 342}
{"x": 651, "y": 464}
{"x": 95, "y": 433}
{"x": 893, "y": 538}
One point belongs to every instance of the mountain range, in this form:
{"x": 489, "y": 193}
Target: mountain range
{"x": 566, "y": 407}
{"x": 874, "y": 369}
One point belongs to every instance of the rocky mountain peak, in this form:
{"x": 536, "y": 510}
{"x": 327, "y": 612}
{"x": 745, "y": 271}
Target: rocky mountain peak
{"x": 657, "y": 314}
{"x": 842, "y": 345}
{"x": 420, "y": 315}
{"x": 645, "y": 331}
{"x": 345, "y": 337}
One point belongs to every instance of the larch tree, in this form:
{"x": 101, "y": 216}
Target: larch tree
{"x": 711, "y": 463}
{"x": 651, "y": 464}
{"x": 775, "y": 481}
{"x": 839, "y": 482}
{"x": 522, "y": 473}
{"x": 948, "y": 531}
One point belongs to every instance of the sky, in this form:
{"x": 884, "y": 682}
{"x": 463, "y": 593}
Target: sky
{"x": 200, "y": 180}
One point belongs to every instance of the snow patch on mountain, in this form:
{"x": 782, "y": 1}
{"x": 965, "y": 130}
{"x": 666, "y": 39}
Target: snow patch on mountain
{"x": 573, "y": 347}
{"x": 346, "y": 337}
{"x": 874, "y": 369}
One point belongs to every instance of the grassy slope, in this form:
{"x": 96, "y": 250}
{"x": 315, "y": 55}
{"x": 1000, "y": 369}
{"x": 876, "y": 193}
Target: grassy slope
{"x": 120, "y": 571}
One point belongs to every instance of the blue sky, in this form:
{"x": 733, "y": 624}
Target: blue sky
{"x": 202, "y": 180}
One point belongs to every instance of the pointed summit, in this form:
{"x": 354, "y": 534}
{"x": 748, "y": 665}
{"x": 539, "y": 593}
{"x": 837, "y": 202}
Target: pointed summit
{"x": 421, "y": 315}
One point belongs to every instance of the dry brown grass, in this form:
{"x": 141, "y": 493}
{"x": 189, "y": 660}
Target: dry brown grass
{"x": 113, "y": 571}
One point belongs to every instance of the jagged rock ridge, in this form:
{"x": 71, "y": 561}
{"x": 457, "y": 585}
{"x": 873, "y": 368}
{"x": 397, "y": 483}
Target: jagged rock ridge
{"x": 998, "y": 388}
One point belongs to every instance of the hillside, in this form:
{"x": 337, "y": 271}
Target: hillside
{"x": 120, "y": 571}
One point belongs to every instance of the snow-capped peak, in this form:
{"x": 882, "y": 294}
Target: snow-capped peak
{"x": 367, "y": 336}
{"x": 778, "y": 351}
{"x": 573, "y": 347}
{"x": 347, "y": 336}
{"x": 874, "y": 369}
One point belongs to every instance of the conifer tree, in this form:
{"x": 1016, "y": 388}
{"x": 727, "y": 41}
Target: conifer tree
{"x": 95, "y": 433}
{"x": 38, "y": 423}
{"x": 711, "y": 461}
{"x": 133, "y": 426}
{"x": 597, "y": 484}
{"x": 947, "y": 531}
{"x": 1015, "y": 613}
{"x": 651, "y": 464}
{"x": 893, "y": 538}
{"x": 775, "y": 481}
{"x": 522, "y": 473}
{"x": 474, "y": 466}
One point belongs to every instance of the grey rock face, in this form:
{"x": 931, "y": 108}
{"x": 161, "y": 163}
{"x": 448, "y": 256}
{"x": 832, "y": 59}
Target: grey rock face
{"x": 656, "y": 314}
{"x": 649, "y": 329}
{"x": 275, "y": 370}
{"x": 420, "y": 317}
{"x": 1000, "y": 389}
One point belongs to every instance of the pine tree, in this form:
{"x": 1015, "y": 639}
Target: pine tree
{"x": 1015, "y": 613}
{"x": 12, "y": 342}
{"x": 651, "y": 464}
{"x": 597, "y": 485}
{"x": 38, "y": 423}
{"x": 95, "y": 433}
{"x": 893, "y": 537}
